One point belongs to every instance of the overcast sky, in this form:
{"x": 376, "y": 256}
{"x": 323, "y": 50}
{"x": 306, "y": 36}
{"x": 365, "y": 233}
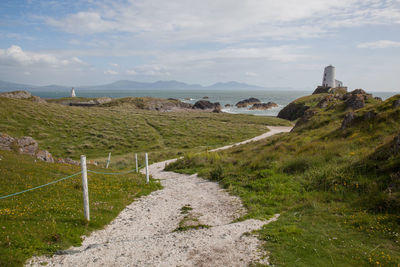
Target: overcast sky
{"x": 270, "y": 43}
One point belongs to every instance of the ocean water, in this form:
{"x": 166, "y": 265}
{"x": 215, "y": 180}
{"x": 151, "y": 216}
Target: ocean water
{"x": 280, "y": 97}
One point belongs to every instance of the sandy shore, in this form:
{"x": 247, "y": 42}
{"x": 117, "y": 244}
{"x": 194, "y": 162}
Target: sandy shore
{"x": 143, "y": 233}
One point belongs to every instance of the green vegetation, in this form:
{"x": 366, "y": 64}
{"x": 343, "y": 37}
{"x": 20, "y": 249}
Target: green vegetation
{"x": 189, "y": 221}
{"x": 71, "y": 131}
{"x": 51, "y": 218}
{"x": 338, "y": 191}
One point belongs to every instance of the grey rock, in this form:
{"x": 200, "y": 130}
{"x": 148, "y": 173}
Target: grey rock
{"x": 355, "y": 101}
{"x": 6, "y": 142}
{"x": 396, "y": 103}
{"x": 348, "y": 120}
{"x": 27, "y": 145}
{"x": 263, "y": 106}
{"x": 44, "y": 155}
{"x": 248, "y": 102}
{"x": 204, "y": 104}
{"x": 16, "y": 94}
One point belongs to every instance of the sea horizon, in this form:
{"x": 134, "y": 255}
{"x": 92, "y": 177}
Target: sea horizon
{"x": 224, "y": 97}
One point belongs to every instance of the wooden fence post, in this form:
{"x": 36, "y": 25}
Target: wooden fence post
{"x": 85, "y": 188}
{"x": 147, "y": 169}
{"x": 137, "y": 170}
{"x": 108, "y": 160}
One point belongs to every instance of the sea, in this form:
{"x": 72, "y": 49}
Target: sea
{"x": 280, "y": 97}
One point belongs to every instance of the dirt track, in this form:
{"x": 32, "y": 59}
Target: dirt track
{"x": 143, "y": 233}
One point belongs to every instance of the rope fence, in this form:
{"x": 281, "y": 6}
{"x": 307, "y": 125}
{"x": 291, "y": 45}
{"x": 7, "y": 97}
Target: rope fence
{"x": 40, "y": 186}
{"x": 84, "y": 172}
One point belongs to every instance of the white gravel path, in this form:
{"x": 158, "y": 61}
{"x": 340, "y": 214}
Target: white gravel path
{"x": 143, "y": 233}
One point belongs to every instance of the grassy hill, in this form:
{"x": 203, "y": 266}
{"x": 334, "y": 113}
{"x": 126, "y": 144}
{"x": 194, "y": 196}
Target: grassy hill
{"x": 123, "y": 128}
{"x": 49, "y": 219}
{"x": 336, "y": 187}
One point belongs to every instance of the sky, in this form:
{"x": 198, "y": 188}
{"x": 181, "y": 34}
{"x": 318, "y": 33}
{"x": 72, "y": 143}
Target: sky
{"x": 268, "y": 43}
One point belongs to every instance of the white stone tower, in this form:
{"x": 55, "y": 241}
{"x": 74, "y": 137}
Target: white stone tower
{"x": 329, "y": 77}
{"x": 73, "y": 92}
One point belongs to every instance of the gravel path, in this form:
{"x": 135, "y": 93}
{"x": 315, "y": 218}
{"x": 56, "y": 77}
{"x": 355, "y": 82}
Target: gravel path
{"x": 144, "y": 233}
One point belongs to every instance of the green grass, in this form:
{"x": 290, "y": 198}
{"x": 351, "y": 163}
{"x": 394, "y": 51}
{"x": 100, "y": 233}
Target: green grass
{"x": 122, "y": 129}
{"x": 338, "y": 191}
{"x": 51, "y": 218}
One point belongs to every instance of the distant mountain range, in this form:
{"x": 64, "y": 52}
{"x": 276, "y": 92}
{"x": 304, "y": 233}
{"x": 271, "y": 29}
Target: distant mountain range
{"x": 132, "y": 85}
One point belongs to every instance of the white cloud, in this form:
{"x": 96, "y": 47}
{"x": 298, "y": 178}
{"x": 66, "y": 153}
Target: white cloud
{"x": 14, "y": 55}
{"x": 379, "y": 44}
{"x": 131, "y": 72}
{"x": 224, "y": 21}
{"x": 251, "y": 74}
{"x": 82, "y": 23}
{"x": 110, "y": 72}
{"x": 114, "y": 65}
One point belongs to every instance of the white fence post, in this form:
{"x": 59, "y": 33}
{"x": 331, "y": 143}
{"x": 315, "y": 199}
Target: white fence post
{"x": 85, "y": 188}
{"x": 147, "y": 169}
{"x": 108, "y": 160}
{"x": 137, "y": 170}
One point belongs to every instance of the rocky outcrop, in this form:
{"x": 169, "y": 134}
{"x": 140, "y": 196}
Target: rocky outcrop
{"x": 348, "y": 120}
{"x": 22, "y": 95}
{"x": 27, "y": 145}
{"x": 263, "y": 106}
{"x": 24, "y": 145}
{"x": 248, "y": 102}
{"x": 205, "y": 104}
{"x": 69, "y": 161}
{"x": 16, "y": 94}
{"x": 308, "y": 114}
{"x": 356, "y": 99}
{"x": 321, "y": 90}
{"x": 44, "y": 155}
{"x": 228, "y": 105}
{"x": 163, "y": 105}
{"x": 326, "y": 101}
{"x": 293, "y": 111}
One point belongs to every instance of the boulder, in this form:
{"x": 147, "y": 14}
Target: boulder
{"x": 27, "y": 145}
{"x": 358, "y": 91}
{"x": 293, "y": 111}
{"x": 378, "y": 98}
{"x": 68, "y": 161}
{"x": 206, "y": 97}
{"x": 227, "y": 105}
{"x": 248, "y": 102}
{"x": 6, "y": 142}
{"x": 355, "y": 101}
{"x": 204, "y": 104}
{"x": 16, "y": 94}
{"x": 348, "y": 120}
{"x": 45, "y": 155}
{"x": 263, "y": 106}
